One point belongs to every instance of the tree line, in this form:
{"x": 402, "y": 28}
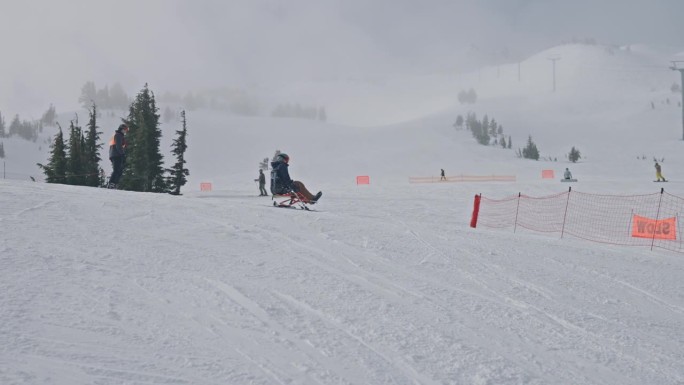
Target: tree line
{"x": 76, "y": 160}
{"x": 297, "y": 111}
{"x": 25, "y": 129}
{"x": 105, "y": 97}
{"x": 489, "y": 132}
{"x": 486, "y": 131}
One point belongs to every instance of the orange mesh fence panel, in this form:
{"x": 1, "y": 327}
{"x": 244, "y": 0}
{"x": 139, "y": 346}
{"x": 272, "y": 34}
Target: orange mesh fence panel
{"x": 363, "y": 179}
{"x": 542, "y": 214}
{"x": 498, "y": 213}
{"x": 204, "y": 186}
{"x": 547, "y": 174}
{"x": 462, "y": 178}
{"x": 608, "y": 218}
{"x": 651, "y": 220}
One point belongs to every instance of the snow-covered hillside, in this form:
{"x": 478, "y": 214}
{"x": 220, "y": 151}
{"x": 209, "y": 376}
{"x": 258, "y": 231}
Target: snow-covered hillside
{"x": 384, "y": 283}
{"x": 620, "y": 93}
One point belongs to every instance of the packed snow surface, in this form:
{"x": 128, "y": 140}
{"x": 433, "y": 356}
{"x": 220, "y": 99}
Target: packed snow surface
{"x": 382, "y": 284}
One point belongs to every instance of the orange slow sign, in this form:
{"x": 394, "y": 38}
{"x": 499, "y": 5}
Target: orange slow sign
{"x": 643, "y": 227}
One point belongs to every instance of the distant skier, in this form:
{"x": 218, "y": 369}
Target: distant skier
{"x": 442, "y": 177}
{"x": 282, "y": 184}
{"x": 117, "y": 154}
{"x": 567, "y": 174}
{"x": 659, "y": 175}
{"x": 262, "y": 183}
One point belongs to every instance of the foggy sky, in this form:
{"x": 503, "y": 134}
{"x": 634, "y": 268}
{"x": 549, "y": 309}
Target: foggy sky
{"x": 50, "y": 48}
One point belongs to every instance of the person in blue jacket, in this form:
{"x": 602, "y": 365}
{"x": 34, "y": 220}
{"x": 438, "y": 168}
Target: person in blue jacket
{"x": 282, "y": 184}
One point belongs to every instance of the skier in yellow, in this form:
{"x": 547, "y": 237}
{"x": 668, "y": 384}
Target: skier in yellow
{"x": 659, "y": 175}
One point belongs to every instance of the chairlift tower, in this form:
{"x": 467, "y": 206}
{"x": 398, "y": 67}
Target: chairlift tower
{"x": 675, "y": 67}
{"x": 554, "y": 59}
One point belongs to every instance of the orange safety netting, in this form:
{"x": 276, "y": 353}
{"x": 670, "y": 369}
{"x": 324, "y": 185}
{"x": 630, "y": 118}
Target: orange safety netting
{"x": 650, "y": 220}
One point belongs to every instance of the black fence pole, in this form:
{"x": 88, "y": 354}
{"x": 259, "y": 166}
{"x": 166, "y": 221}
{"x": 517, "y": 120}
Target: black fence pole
{"x": 662, "y": 190}
{"x": 515, "y": 225}
{"x": 566, "y": 212}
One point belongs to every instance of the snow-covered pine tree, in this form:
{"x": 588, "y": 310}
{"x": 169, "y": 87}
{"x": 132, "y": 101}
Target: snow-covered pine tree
{"x": 55, "y": 170}
{"x": 530, "y": 151}
{"x": 178, "y": 172}
{"x": 49, "y": 116}
{"x": 459, "y": 122}
{"x": 88, "y": 94}
{"x": 91, "y": 151}
{"x": 15, "y": 126}
{"x": 493, "y": 125}
{"x": 485, "y": 125}
{"x": 74, "y": 159}
{"x": 144, "y": 162}
{"x": 574, "y": 155}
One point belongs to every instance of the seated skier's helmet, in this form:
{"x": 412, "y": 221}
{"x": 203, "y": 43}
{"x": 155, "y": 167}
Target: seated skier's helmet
{"x": 282, "y": 157}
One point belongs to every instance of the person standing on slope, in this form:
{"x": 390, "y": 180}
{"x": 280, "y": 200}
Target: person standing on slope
{"x": 282, "y": 184}
{"x": 117, "y": 155}
{"x": 659, "y": 175}
{"x": 262, "y": 183}
{"x": 442, "y": 177}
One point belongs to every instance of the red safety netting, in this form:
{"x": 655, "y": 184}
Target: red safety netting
{"x": 651, "y": 220}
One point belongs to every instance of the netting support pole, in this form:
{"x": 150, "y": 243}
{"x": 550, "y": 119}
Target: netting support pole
{"x": 476, "y": 211}
{"x": 662, "y": 190}
{"x": 679, "y": 230}
{"x": 565, "y": 215}
{"x": 515, "y": 225}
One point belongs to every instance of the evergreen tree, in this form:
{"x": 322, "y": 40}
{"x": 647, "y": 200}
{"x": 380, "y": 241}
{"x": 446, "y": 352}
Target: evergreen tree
{"x": 574, "y": 155}
{"x": 74, "y": 159}
{"x": 530, "y": 151}
{"x": 485, "y": 124}
{"x": 459, "y": 122}
{"x": 3, "y": 133}
{"x": 178, "y": 171}
{"x": 102, "y": 98}
{"x": 480, "y": 130}
{"x": 144, "y": 171}
{"x": 2, "y": 150}
{"x": 49, "y": 116}
{"x": 88, "y": 94}
{"x": 470, "y": 119}
{"x": 503, "y": 142}
{"x": 117, "y": 97}
{"x": 55, "y": 170}
{"x": 492, "y": 128}
{"x": 91, "y": 151}
{"x": 510, "y": 141}
{"x": 15, "y": 126}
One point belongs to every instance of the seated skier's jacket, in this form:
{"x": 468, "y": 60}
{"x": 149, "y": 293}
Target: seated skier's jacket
{"x": 281, "y": 183}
